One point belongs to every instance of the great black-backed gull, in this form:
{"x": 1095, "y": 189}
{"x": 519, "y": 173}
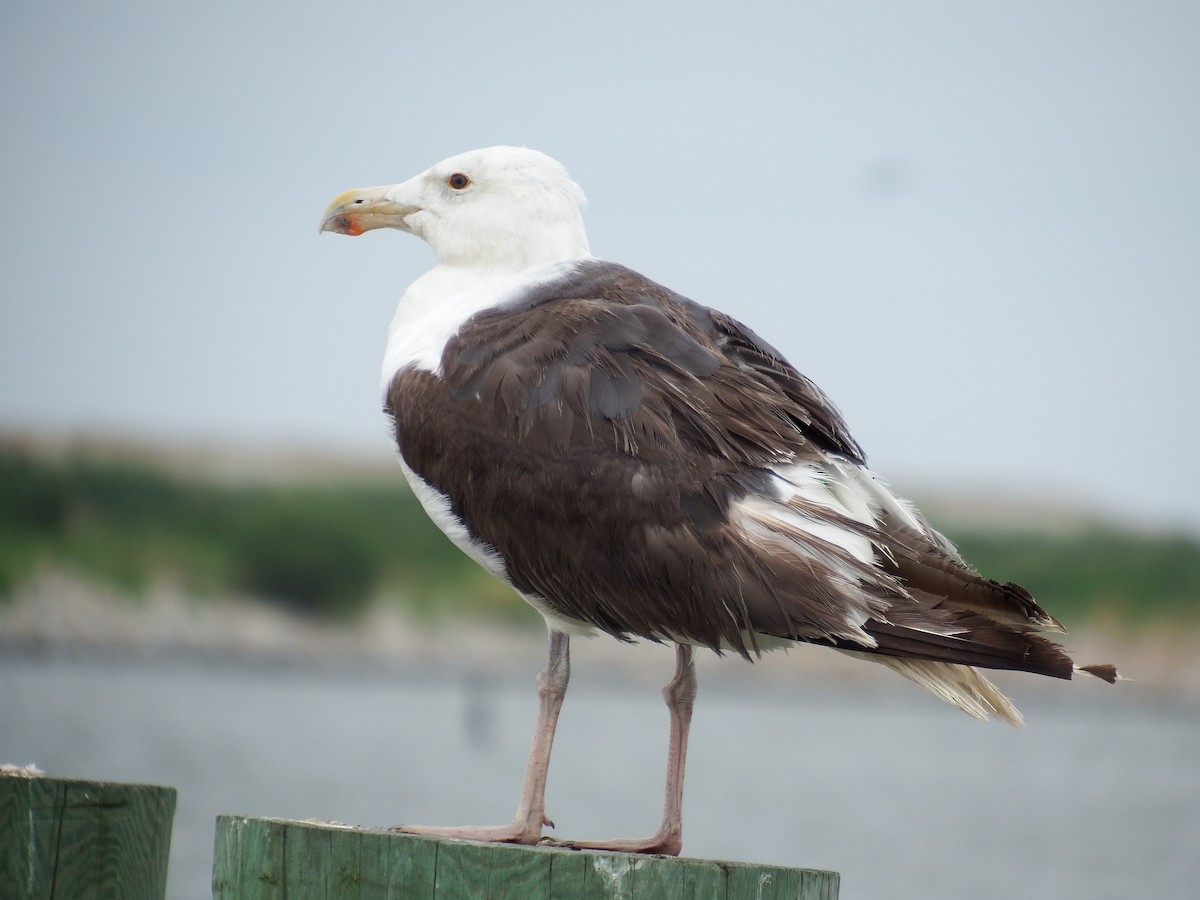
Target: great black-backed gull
{"x": 637, "y": 464}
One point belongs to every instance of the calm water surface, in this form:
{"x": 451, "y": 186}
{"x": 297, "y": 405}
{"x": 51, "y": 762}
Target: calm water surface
{"x": 1098, "y": 798}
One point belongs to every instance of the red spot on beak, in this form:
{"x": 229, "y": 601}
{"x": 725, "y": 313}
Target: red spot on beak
{"x": 347, "y": 224}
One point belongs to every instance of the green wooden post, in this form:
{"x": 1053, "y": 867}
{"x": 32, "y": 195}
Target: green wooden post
{"x": 257, "y": 859}
{"x": 62, "y": 839}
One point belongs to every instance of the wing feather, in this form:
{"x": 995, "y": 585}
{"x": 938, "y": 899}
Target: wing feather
{"x": 666, "y": 473}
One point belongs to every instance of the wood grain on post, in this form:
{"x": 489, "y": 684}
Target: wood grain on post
{"x": 257, "y": 859}
{"x": 63, "y": 839}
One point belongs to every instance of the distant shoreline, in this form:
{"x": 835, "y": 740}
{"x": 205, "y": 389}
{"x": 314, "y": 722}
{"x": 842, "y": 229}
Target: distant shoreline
{"x": 57, "y": 615}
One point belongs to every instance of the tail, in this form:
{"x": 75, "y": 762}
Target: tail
{"x": 959, "y": 685}
{"x": 965, "y": 688}
{"x": 942, "y": 663}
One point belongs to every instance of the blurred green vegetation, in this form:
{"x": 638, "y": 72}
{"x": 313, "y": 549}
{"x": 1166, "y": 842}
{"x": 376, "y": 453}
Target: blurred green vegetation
{"x": 1095, "y": 571}
{"x": 328, "y": 547}
{"x": 320, "y": 547}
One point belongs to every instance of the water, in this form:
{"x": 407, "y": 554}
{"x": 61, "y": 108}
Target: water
{"x": 1099, "y": 797}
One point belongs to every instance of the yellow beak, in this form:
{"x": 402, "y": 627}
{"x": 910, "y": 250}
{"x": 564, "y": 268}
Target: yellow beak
{"x": 363, "y": 209}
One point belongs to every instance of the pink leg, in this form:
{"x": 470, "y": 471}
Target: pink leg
{"x": 680, "y": 694}
{"x": 526, "y": 826}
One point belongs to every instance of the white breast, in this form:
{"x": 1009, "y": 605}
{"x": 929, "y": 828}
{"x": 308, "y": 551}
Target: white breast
{"x": 437, "y": 507}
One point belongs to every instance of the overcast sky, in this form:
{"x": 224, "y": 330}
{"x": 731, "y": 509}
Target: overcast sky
{"x": 975, "y": 225}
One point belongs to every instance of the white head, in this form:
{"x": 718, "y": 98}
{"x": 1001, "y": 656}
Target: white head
{"x": 505, "y": 208}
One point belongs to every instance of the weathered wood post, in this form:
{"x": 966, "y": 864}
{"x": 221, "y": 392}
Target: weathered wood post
{"x": 256, "y": 859}
{"x": 62, "y": 839}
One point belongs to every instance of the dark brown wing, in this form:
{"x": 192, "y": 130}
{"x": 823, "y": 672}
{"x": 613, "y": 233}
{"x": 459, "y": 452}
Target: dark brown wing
{"x": 602, "y": 437}
{"x": 608, "y": 349}
{"x": 813, "y": 412}
{"x": 598, "y": 434}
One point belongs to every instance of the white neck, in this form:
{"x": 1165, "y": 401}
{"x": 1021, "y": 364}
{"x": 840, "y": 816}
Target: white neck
{"x": 511, "y": 248}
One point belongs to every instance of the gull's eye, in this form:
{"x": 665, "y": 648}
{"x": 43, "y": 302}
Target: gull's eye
{"x": 458, "y": 181}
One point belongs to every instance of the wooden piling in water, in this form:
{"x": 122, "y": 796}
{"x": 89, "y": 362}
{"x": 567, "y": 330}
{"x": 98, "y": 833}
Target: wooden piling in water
{"x": 257, "y": 859}
{"x": 63, "y": 839}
